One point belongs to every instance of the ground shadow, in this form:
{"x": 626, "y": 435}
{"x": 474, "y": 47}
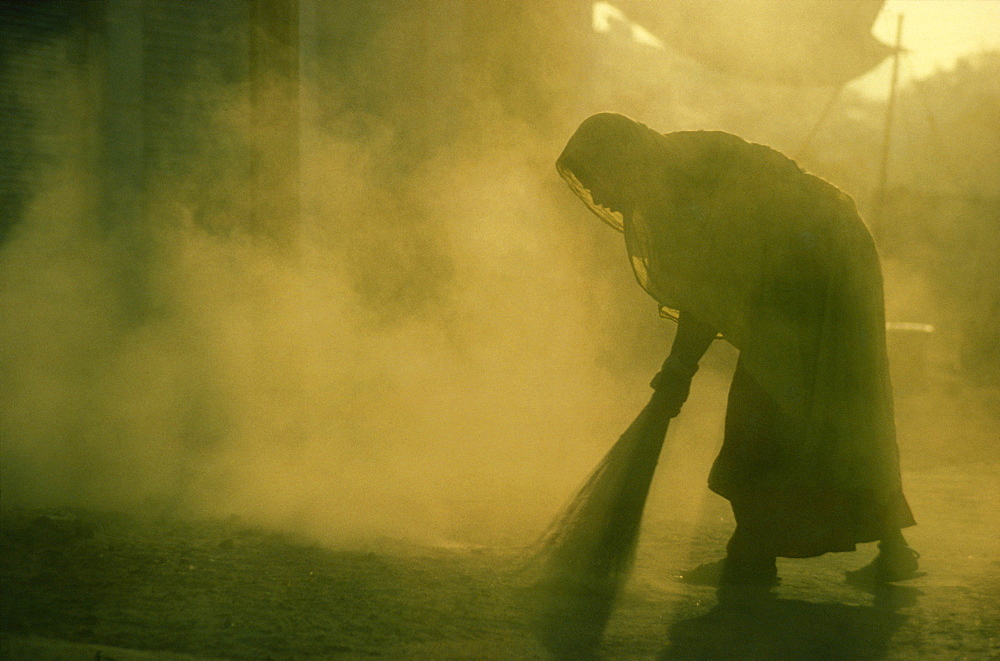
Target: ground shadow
{"x": 757, "y": 625}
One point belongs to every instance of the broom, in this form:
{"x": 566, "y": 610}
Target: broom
{"x": 586, "y": 553}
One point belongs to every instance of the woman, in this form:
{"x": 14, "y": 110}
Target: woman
{"x": 733, "y": 239}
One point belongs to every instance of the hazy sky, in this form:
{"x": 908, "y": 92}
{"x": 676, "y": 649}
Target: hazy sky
{"x": 936, "y": 34}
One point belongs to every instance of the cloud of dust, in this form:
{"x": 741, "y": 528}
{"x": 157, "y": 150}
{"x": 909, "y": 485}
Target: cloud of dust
{"x": 435, "y": 356}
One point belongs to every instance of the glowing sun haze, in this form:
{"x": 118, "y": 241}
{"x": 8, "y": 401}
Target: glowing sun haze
{"x": 936, "y": 34}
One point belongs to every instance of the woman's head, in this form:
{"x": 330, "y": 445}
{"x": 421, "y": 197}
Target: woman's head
{"x": 605, "y": 163}
{"x": 614, "y": 163}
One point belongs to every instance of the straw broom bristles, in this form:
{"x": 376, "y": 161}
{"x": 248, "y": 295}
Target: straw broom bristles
{"x": 586, "y": 554}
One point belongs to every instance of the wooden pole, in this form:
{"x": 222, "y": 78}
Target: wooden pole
{"x": 887, "y": 132}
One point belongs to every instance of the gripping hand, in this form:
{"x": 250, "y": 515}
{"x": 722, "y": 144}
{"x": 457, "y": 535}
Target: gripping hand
{"x": 671, "y": 386}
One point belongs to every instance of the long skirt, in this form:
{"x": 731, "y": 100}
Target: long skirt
{"x": 778, "y": 512}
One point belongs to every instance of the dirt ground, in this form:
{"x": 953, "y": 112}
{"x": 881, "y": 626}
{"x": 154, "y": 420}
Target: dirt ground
{"x": 90, "y": 585}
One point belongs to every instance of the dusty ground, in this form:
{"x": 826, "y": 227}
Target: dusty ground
{"x": 86, "y": 585}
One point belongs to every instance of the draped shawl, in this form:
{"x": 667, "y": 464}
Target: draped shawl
{"x": 781, "y": 264}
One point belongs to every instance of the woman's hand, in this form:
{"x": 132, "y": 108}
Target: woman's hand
{"x": 671, "y": 385}
{"x": 673, "y": 382}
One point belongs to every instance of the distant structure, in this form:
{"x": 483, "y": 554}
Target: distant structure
{"x": 133, "y": 82}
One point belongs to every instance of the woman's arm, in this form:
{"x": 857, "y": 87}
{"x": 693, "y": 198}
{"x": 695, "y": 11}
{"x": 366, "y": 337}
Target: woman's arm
{"x": 673, "y": 382}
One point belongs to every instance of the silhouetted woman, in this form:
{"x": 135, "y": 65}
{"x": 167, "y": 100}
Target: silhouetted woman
{"x": 734, "y": 239}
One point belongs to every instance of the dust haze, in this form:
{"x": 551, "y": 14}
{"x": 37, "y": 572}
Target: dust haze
{"x": 441, "y": 342}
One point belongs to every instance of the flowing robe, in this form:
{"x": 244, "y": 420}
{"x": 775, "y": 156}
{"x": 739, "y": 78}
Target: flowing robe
{"x": 781, "y": 264}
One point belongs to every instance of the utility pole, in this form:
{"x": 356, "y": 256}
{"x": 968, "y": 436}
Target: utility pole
{"x": 887, "y": 131}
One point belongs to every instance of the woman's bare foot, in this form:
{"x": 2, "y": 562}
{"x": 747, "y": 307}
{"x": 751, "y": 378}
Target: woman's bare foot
{"x": 894, "y": 562}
